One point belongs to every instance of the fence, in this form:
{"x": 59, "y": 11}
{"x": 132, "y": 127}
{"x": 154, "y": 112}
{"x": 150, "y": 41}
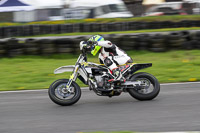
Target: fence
{"x": 153, "y": 42}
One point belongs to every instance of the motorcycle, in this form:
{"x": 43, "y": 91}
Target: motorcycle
{"x": 141, "y": 86}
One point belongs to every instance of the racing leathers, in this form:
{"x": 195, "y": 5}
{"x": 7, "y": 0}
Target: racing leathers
{"x": 111, "y": 56}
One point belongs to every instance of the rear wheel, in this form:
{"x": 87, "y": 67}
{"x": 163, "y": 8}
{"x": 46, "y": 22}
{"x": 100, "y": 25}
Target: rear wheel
{"x": 149, "y": 88}
{"x": 61, "y": 96}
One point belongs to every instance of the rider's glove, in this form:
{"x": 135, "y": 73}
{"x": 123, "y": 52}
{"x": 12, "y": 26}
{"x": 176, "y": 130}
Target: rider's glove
{"x": 92, "y": 43}
{"x": 95, "y": 43}
{"x": 83, "y": 44}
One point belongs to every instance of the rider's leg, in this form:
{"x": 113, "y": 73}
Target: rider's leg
{"x": 113, "y": 67}
{"x": 122, "y": 59}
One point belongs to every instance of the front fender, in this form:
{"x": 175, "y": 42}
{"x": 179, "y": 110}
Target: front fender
{"x": 64, "y": 69}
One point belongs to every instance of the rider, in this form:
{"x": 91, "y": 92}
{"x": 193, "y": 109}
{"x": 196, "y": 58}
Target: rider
{"x": 110, "y": 55}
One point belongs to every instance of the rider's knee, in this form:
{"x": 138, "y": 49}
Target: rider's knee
{"x": 101, "y": 62}
{"x": 108, "y": 62}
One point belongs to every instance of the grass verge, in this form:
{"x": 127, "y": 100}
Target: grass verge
{"x": 173, "y": 18}
{"x": 36, "y": 72}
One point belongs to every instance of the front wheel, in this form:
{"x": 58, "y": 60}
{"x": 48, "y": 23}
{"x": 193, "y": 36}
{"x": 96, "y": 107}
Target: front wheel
{"x": 61, "y": 96}
{"x": 149, "y": 88}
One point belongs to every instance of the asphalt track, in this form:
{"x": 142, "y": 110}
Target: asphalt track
{"x": 177, "y": 108}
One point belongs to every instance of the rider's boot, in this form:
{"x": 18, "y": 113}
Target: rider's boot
{"x": 118, "y": 77}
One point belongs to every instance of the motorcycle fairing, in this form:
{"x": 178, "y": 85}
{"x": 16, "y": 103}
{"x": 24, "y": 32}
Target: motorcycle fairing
{"x": 134, "y": 67}
{"x": 82, "y": 71}
{"x": 70, "y": 68}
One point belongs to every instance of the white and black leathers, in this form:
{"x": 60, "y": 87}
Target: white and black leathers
{"x": 111, "y": 55}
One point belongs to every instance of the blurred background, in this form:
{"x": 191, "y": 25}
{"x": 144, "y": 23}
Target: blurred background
{"x": 37, "y": 36}
{"x": 37, "y": 10}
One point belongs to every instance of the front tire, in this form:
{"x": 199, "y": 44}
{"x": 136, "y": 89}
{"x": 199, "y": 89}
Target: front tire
{"x": 64, "y": 98}
{"x": 141, "y": 92}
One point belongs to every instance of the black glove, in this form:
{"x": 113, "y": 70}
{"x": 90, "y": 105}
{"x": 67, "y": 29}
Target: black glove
{"x": 91, "y": 43}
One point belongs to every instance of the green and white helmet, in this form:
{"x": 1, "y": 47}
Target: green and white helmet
{"x": 96, "y": 38}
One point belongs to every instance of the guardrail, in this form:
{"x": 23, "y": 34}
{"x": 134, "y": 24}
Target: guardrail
{"x": 29, "y": 30}
{"x": 158, "y": 42}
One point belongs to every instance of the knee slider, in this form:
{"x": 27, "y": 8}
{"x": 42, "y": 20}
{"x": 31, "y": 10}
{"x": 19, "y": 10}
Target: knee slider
{"x": 108, "y": 62}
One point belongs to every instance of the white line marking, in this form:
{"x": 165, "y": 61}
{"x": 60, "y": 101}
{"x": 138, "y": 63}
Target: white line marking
{"x": 19, "y": 91}
{"x": 85, "y": 88}
{"x": 176, "y": 132}
{"x": 183, "y": 83}
{"x": 39, "y": 90}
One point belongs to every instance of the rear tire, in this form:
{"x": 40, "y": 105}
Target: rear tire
{"x": 57, "y": 96}
{"x": 145, "y": 77}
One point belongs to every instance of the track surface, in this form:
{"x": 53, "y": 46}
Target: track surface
{"x": 177, "y": 108}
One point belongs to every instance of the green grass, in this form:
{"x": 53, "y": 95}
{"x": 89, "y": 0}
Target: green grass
{"x": 35, "y": 72}
{"x": 116, "y": 32}
{"x": 173, "y": 18}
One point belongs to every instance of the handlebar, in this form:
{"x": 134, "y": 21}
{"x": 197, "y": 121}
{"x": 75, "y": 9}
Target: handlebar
{"x": 91, "y": 43}
{"x": 87, "y": 46}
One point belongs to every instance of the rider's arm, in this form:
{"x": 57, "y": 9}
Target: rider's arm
{"x": 106, "y": 44}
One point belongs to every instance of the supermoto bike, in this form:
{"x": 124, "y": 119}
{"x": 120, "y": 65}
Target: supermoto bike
{"x": 141, "y": 86}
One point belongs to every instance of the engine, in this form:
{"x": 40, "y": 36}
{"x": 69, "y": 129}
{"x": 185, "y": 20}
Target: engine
{"x": 102, "y": 82}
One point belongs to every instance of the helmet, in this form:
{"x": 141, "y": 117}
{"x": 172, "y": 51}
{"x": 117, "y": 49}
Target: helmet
{"x": 96, "y": 38}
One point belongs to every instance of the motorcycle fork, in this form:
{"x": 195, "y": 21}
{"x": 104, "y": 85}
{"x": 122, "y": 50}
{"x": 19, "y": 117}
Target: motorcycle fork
{"x": 72, "y": 78}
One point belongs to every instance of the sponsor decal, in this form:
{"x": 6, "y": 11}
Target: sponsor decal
{"x": 120, "y": 56}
